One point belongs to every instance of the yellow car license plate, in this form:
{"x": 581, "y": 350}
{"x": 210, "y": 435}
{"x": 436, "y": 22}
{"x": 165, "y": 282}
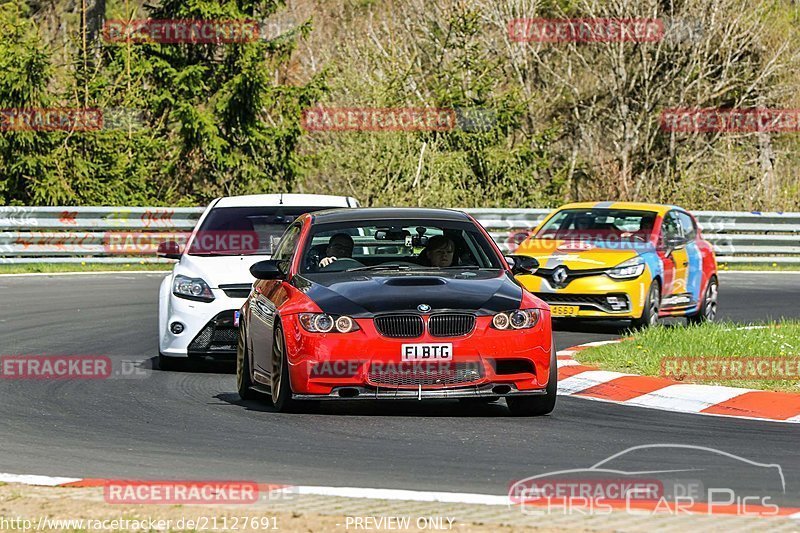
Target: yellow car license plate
{"x": 564, "y": 310}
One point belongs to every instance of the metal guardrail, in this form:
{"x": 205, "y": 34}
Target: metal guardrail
{"x": 90, "y": 234}
{"x": 131, "y": 234}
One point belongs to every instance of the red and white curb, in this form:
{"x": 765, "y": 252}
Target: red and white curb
{"x": 581, "y": 381}
{"x": 398, "y": 495}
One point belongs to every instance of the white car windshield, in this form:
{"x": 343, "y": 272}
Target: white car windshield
{"x": 244, "y": 230}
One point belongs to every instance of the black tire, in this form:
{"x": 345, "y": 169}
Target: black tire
{"x": 709, "y": 306}
{"x": 652, "y": 304}
{"x": 169, "y": 364}
{"x": 279, "y": 381}
{"x": 538, "y": 405}
{"x": 244, "y": 378}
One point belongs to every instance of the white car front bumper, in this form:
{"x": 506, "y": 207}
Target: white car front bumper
{"x": 213, "y": 319}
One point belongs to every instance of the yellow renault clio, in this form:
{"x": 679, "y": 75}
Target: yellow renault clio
{"x": 623, "y": 260}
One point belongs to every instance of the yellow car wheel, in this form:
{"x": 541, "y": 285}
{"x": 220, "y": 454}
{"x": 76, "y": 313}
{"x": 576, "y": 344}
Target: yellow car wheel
{"x": 652, "y": 304}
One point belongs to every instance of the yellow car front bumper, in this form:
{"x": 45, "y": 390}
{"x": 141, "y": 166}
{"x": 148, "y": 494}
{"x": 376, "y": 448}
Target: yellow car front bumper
{"x": 590, "y": 295}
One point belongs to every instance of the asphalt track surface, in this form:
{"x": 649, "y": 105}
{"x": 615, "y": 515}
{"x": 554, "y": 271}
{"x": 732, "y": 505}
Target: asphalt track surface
{"x": 192, "y": 425}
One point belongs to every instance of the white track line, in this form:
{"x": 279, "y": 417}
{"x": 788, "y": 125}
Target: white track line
{"x": 598, "y": 343}
{"x": 48, "y": 481}
{"x": 343, "y": 492}
{"x": 406, "y": 495}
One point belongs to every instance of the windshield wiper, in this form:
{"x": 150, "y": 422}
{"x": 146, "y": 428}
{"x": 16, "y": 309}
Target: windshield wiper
{"x": 380, "y": 267}
{"x": 462, "y": 267}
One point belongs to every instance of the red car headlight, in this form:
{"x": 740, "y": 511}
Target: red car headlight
{"x": 517, "y": 319}
{"x": 325, "y": 323}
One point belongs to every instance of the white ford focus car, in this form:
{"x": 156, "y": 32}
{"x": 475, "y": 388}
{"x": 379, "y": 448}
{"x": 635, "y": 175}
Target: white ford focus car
{"x": 200, "y": 300}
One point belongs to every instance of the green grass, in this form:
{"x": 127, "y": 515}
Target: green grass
{"x": 647, "y": 349}
{"x": 32, "y": 268}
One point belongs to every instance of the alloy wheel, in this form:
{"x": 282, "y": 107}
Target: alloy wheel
{"x": 277, "y": 366}
{"x": 710, "y": 305}
{"x": 655, "y": 304}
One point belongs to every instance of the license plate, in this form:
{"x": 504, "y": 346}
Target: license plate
{"x": 564, "y": 310}
{"x": 427, "y": 352}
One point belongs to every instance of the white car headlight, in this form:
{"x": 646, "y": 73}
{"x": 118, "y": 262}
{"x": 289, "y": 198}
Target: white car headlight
{"x": 192, "y": 289}
{"x": 632, "y": 268}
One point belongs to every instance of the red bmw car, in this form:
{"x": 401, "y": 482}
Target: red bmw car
{"x": 394, "y": 304}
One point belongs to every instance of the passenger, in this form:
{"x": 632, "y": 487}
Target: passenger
{"x": 340, "y": 246}
{"x": 438, "y": 252}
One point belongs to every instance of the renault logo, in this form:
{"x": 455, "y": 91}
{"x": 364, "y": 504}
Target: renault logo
{"x": 560, "y": 275}
{"x": 423, "y": 308}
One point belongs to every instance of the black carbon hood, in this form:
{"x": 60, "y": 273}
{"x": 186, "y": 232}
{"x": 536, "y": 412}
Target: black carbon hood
{"x": 367, "y": 293}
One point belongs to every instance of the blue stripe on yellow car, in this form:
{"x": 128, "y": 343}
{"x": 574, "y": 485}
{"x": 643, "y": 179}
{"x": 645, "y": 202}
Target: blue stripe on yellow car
{"x": 695, "y": 271}
{"x": 654, "y": 265}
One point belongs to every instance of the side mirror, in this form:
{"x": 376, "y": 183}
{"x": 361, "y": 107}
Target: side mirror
{"x": 522, "y": 264}
{"x": 268, "y": 269}
{"x": 169, "y": 250}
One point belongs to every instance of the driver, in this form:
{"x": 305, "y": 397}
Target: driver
{"x": 439, "y": 251}
{"x": 646, "y": 225}
{"x": 583, "y": 222}
{"x": 340, "y": 246}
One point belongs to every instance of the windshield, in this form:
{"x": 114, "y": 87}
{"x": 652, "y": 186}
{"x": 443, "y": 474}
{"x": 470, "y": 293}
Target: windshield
{"x": 244, "y": 230}
{"x": 398, "y": 245}
{"x": 598, "y": 224}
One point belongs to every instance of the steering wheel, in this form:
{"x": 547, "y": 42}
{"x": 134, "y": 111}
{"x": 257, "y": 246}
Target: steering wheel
{"x": 341, "y": 264}
{"x": 634, "y": 235}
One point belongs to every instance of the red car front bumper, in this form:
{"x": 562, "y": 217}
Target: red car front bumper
{"x": 365, "y": 364}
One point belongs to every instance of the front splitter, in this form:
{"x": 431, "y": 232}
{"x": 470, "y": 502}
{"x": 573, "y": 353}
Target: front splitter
{"x": 379, "y": 393}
